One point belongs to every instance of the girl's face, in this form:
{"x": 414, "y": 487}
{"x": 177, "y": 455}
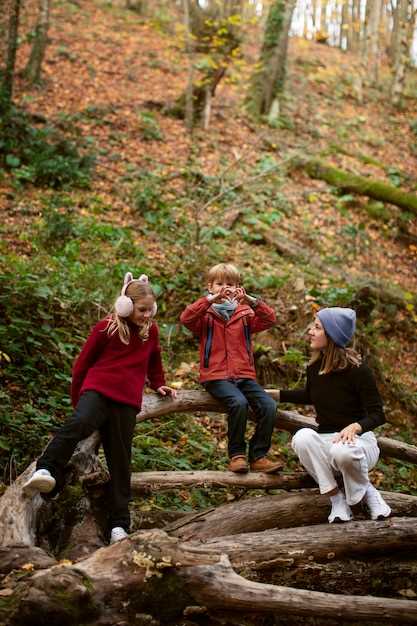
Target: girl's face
{"x": 317, "y": 336}
{"x": 142, "y": 310}
{"x": 217, "y": 285}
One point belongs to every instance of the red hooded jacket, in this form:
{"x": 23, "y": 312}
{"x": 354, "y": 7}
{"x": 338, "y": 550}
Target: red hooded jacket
{"x": 225, "y": 346}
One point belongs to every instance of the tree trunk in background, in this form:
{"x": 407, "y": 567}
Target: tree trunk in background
{"x": 401, "y": 51}
{"x": 268, "y": 81}
{"x": 345, "y": 35}
{"x": 371, "y": 44}
{"x": 189, "y": 108}
{"x": 34, "y": 65}
{"x": 6, "y": 87}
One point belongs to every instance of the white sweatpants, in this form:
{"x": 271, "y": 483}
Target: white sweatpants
{"x": 323, "y": 459}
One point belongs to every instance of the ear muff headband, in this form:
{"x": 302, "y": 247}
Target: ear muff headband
{"x": 124, "y": 305}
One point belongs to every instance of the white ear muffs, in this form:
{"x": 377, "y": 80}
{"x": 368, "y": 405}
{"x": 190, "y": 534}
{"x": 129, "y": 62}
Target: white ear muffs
{"x": 124, "y": 305}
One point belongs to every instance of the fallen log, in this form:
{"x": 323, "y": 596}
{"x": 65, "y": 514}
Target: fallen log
{"x": 192, "y": 401}
{"x": 19, "y": 513}
{"x": 353, "y": 183}
{"x": 267, "y": 512}
{"x": 148, "y": 482}
{"x": 322, "y": 543}
{"x": 153, "y": 573}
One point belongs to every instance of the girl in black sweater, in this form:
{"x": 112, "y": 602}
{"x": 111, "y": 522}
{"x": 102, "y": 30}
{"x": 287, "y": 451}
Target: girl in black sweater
{"x": 348, "y": 407}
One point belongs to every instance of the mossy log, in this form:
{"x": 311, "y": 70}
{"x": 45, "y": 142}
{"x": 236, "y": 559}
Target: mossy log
{"x": 152, "y": 572}
{"x": 376, "y": 189}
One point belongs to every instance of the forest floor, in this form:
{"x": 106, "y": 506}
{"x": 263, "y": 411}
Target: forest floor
{"x": 106, "y": 73}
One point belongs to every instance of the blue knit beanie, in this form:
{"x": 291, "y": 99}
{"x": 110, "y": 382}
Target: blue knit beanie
{"x": 339, "y": 323}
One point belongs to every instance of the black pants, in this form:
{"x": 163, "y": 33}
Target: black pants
{"x": 237, "y": 396}
{"x": 116, "y": 423}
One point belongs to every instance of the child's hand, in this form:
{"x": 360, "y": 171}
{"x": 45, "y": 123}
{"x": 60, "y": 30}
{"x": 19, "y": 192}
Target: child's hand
{"x": 223, "y": 294}
{"x": 167, "y": 391}
{"x": 240, "y": 295}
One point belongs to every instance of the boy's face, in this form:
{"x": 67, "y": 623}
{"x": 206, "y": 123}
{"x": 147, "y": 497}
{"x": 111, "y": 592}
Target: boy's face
{"x": 219, "y": 283}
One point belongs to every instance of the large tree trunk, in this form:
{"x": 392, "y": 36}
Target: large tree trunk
{"x": 401, "y": 52}
{"x": 268, "y": 80}
{"x": 6, "y": 86}
{"x": 40, "y": 42}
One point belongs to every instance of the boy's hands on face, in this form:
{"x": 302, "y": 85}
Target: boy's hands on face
{"x": 224, "y": 294}
{"x": 240, "y": 295}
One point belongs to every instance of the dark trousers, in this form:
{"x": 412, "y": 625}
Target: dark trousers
{"x": 238, "y": 395}
{"x": 116, "y": 424}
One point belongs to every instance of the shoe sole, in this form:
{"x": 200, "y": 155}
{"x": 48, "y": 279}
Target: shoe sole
{"x": 381, "y": 517}
{"x": 243, "y": 470}
{"x": 43, "y": 485}
{"x": 338, "y": 520}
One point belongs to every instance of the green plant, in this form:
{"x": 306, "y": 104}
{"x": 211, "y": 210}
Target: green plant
{"x": 41, "y": 156}
{"x": 149, "y": 127}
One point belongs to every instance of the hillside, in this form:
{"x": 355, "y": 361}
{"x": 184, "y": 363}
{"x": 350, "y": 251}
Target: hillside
{"x": 169, "y": 205}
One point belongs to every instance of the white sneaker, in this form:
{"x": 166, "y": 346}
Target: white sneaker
{"x": 117, "y": 534}
{"x": 341, "y": 511}
{"x": 376, "y": 504}
{"x": 41, "y": 480}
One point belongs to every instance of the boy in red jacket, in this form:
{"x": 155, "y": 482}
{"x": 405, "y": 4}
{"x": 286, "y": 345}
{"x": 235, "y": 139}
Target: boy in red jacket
{"x": 224, "y": 321}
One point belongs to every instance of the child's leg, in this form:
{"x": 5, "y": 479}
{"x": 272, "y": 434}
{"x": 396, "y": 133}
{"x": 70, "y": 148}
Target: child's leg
{"x": 353, "y": 461}
{"x": 237, "y": 413}
{"x": 116, "y": 435}
{"x": 89, "y": 414}
{"x": 265, "y": 410}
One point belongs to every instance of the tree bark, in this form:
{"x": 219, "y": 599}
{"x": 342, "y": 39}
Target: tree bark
{"x": 271, "y": 512}
{"x": 6, "y": 87}
{"x": 148, "y": 482}
{"x": 34, "y": 66}
{"x": 152, "y": 572}
{"x": 372, "y": 188}
{"x": 268, "y": 80}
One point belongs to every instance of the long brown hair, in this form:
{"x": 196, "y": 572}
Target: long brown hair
{"x": 136, "y": 291}
{"x": 334, "y": 358}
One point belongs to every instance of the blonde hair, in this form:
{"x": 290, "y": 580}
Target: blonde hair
{"x": 335, "y": 358}
{"x": 224, "y": 271}
{"x": 136, "y": 291}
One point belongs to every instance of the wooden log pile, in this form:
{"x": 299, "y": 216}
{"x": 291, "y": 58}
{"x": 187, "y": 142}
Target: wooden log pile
{"x": 272, "y": 555}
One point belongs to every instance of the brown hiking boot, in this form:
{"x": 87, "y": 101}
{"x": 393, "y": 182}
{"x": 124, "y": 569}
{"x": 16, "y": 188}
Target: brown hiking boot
{"x": 265, "y": 465}
{"x": 238, "y": 464}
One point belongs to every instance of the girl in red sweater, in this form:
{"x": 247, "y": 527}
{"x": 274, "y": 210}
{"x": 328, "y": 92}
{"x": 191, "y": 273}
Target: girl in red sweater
{"x": 108, "y": 377}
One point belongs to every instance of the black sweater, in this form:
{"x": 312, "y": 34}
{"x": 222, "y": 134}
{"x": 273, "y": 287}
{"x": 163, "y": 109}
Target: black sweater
{"x": 340, "y": 398}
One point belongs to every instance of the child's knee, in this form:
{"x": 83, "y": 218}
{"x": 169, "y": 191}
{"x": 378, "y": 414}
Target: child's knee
{"x": 342, "y": 455}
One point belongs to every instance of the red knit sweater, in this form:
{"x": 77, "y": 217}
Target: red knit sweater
{"x": 117, "y": 370}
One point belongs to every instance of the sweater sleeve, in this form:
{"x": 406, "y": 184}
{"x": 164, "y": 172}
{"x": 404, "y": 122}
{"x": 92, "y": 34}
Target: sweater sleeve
{"x": 193, "y": 314}
{"x": 91, "y": 350}
{"x": 297, "y": 396}
{"x": 370, "y": 399}
{"x": 155, "y": 368}
{"x": 263, "y": 319}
